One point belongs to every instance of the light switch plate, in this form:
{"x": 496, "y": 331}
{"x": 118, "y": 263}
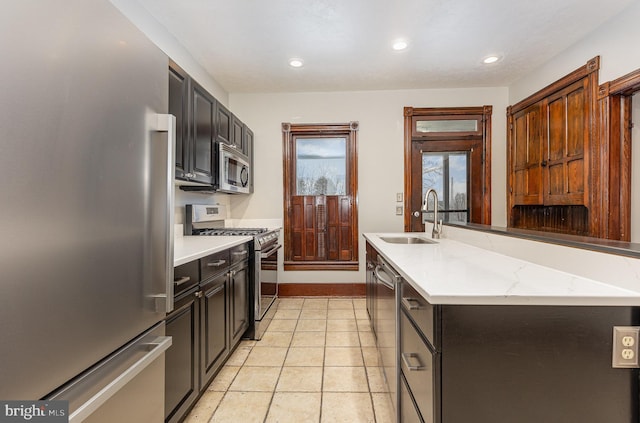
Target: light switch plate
{"x": 625, "y": 347}
{"x": 398, "y": 210}
{"x": 399, "y": 197}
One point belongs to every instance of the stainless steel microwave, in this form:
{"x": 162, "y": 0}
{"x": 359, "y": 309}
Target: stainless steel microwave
{"x": 235, "y": 170}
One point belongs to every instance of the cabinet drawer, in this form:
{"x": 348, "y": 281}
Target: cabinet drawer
{"x": 422, "y": 313}
{"x": 185, "y": 276}
{"x": 408, "y": 411}
{"x": 417, "y": 364}
{"x": 214, "y": 264}
{"x": 239, "y": 253}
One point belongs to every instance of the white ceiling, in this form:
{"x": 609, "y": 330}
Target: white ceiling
{"x": 346, "y": 44}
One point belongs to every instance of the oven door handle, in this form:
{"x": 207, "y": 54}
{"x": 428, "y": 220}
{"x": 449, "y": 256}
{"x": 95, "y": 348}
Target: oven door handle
{"x": 265, "y": 254}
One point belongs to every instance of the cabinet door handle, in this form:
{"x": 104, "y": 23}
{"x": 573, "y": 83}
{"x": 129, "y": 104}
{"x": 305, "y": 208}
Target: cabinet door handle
{"x": 240, "y": 253}
{"x": 544, "y": 163}
{"x": 199, "y": 294}
{"x": 217, "y": 263}
{"x": 411, "y": 303}
{"x": 182, "y": 280}
{"x": 408, "y": 356}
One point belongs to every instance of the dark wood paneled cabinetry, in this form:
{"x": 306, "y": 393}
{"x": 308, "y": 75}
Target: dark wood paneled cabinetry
{"x": 179, "y": 107}
{"x": 201, "y": 121}
{"x": 203, "y": 128}
{"x": 194, "y": 109}
{"x": 526, "y": 143}
{"x": 551, "y": 144}
{"x": 207, "y": 323}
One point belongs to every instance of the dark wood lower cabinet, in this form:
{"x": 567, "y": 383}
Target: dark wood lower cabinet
{"x": 525, "y": 364}
{"x": 181, "y": 359}
{"x": 239, "y": 285}
{"x": 214, "y": 341}
{"x": 531, "y": 364}
{"x": 207, "y": 324}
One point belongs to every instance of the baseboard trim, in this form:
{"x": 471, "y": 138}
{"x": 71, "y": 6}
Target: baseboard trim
{"x": 321, "y": 290}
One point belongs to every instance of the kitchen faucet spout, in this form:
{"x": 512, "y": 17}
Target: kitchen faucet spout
{"x": 437, "y": 226}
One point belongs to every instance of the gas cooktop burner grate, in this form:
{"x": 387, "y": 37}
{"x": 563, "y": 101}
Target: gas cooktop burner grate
{"x": 232, "y": 231}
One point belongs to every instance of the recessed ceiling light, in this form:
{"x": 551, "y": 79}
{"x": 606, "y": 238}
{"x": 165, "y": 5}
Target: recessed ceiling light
{"x": 490, "y": 59}
{"x": 400, "y": 45}
{"x": 296, "y": 63}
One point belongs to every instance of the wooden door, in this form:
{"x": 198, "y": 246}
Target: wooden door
{"x": 527, "y": 138}
{"x": 462, "y": 132}
{"x": 567, "y": 142}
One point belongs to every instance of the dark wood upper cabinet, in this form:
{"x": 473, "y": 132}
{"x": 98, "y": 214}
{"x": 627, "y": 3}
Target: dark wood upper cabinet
{"x": 203, "y": 152}
{"x": 553, "y": 156}
{"x": 179, "y": 107}
{"x": 224, "y": 125}
{"x": 567, "y": 142}
{"x": 527, "y": 143}
{"x": 194, "y": 109}
{"x": 201, "y": 121}
{"x": 248, "y": 145}
{"x": 237, "y": 135}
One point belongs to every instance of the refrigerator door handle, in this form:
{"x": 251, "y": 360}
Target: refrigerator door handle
{"x": 157, "y": 348}
{"x": 163, "y": 204}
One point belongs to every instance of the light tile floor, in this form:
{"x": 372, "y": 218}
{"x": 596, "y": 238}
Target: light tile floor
{"x": 317, "y": 362}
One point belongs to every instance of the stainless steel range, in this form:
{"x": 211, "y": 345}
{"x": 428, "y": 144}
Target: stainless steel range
{"x": 208, "y": 220}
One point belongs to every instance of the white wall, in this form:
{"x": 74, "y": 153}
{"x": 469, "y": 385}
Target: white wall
{"x": 380, "y": 152}
{"x": 616, "y": 42}
{"x": 172, "y": 48}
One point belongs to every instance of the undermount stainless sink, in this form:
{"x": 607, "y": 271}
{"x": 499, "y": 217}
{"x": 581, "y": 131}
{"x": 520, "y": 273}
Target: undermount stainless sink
{"x": 406, "y": 240}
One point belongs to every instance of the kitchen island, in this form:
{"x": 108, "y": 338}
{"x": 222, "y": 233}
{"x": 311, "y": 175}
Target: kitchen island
{"x": 486, "y": 337}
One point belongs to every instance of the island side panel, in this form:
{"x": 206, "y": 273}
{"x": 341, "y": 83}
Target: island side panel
{"x": 532, "y": 364}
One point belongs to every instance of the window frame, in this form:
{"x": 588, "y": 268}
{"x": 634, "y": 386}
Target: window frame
{"x": 290, "y": 133}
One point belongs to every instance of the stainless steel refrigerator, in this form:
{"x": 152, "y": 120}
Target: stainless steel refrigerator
{"x": 86, "y": 193}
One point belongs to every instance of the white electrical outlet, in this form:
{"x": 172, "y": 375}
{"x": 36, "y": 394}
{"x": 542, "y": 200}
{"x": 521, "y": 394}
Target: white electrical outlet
{"x": 625, "y": 346}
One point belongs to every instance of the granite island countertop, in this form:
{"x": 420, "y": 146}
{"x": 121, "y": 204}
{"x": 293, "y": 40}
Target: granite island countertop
{"x": 452, "y": 272}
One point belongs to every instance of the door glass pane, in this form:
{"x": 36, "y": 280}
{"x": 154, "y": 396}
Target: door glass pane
{"x": 321, "y": 166}
{"x": 447, "y": 173}
{"x": 428, "y": 126}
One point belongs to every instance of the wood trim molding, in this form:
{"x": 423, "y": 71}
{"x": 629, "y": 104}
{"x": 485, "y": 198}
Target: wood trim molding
{"x": 591, "y": 66}
{"x": 627, "y": 84}
{"x": 321, "y": 265}
{"x": 614, "y": 98}
{"x": 315, "y": 262}
{"x": 321, "y": 290}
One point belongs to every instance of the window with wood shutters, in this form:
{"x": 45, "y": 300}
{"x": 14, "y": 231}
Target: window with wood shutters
{"x": 320, "y": 192}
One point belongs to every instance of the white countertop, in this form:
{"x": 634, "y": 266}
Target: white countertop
{"x": 451, "y": 272}
{"x": 189, "y": 248}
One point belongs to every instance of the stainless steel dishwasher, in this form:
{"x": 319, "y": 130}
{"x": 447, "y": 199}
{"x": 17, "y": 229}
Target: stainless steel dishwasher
{"x": 387, "y": 284}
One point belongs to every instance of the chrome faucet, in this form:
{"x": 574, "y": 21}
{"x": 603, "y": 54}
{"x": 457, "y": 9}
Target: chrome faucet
{"x": 437, "y": 227}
